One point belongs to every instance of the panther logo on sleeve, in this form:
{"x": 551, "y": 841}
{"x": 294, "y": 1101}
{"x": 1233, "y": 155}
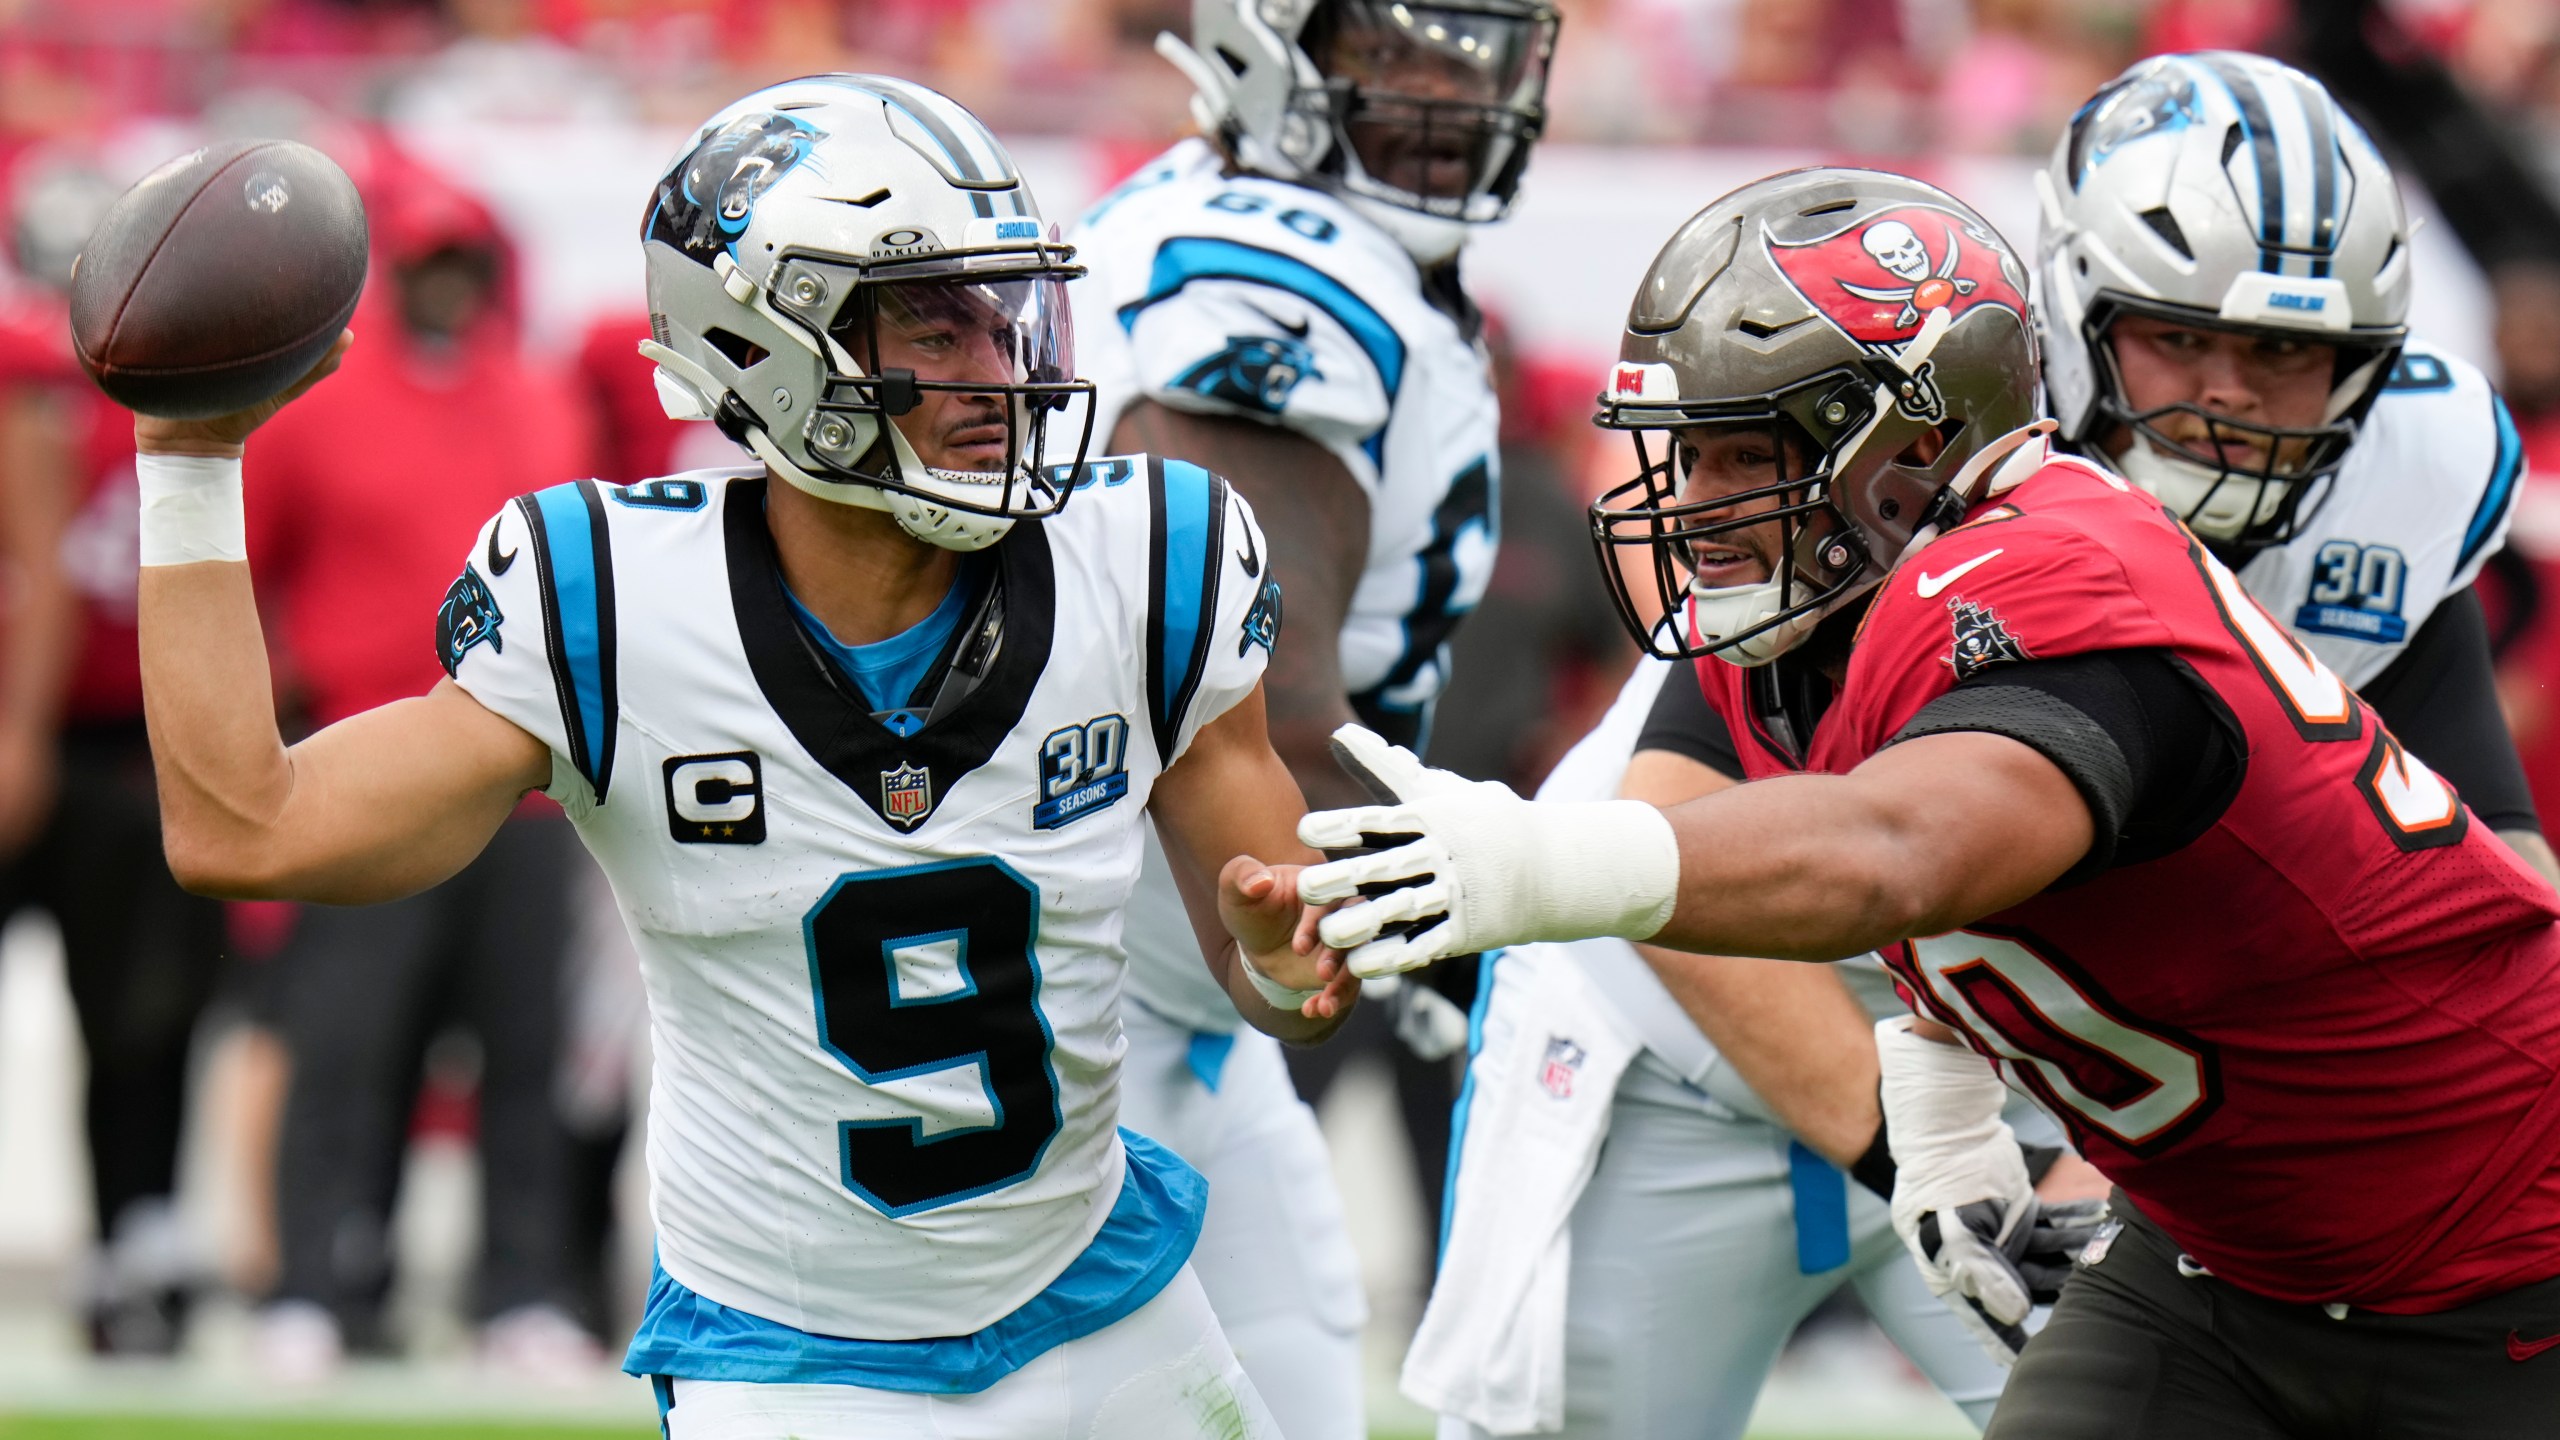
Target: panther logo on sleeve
{"x": 1254, "y": 372}
{"x": 468, "y": 617}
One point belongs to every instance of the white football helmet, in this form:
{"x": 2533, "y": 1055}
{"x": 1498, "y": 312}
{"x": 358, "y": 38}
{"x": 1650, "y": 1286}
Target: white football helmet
{"x": 1421, "y": 115}
{"x": 834, "y": 253}
{"x": 2224, "y": 191}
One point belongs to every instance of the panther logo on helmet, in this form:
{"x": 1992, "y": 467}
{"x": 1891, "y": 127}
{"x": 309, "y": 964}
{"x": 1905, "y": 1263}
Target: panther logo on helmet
{"x": 704, "y": 204}
{"x": 1939, "y": 259}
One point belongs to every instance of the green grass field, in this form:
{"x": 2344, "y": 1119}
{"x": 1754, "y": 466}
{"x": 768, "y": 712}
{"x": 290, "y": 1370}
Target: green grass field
{"x": 163, "y": 1427}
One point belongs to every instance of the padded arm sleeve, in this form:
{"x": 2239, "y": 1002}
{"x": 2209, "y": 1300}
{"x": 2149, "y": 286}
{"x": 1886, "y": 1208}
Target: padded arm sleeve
{"x": 2441, "y": 699}
{"x": 2155, "y": 757}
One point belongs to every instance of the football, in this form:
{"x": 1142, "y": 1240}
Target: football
{"x": 220, "y": 279}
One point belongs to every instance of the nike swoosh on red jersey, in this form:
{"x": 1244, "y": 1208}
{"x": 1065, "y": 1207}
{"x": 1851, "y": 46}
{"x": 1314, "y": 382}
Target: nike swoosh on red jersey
{"x": 1930, "y": 585}
{"x": 2519, "y": 1349}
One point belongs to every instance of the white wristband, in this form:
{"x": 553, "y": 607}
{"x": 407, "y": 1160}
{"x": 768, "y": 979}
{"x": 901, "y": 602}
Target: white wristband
{"x": 1607, "y": 867}
{"x": 191, "y": 509}
{"x": 1279, "y": 996}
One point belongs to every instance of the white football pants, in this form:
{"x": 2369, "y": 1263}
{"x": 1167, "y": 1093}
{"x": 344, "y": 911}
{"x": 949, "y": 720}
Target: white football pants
{"x": 1163, "y": 1373}
{"x": 1274, "y": 1255}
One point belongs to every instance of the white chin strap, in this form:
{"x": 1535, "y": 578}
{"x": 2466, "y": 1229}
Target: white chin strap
{"x": 2213, "y": 506}
{"x": 933, "y": 524}
{"x": 1430, "y": 239}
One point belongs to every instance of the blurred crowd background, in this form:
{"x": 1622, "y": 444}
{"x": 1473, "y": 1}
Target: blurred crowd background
{"x": 505, "y": 148}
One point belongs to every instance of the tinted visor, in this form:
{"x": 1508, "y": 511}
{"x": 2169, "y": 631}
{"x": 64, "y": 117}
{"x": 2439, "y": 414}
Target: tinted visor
{"x": 962, "y": 334}
{"x": 1437, "y": 105}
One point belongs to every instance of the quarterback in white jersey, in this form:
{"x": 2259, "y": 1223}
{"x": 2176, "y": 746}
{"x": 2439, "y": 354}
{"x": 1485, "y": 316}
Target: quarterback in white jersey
{"x": 862, "y": 737}
{"x": 1279, "y": 300}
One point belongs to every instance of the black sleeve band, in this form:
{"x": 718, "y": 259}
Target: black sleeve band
{"x": 1683, "y": 723}
{"x": 2153, "y": 752}
{"x": 1875, "y": 1168}
{"x": 2440, "y": 699}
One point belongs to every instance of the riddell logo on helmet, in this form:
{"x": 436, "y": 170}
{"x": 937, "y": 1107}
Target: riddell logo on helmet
{"x": 1880, "y": 278}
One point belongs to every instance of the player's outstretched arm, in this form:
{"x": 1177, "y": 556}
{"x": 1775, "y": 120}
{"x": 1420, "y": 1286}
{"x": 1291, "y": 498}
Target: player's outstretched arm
{"x": 1224, "y": 806}
{"x": 1927, "y": 835}
{"x": 1315, "y": 519}
{"x": 375, "y": 807}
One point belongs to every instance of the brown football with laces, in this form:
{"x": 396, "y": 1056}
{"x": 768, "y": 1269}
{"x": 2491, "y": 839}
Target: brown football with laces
{"x": 220, "y": 279}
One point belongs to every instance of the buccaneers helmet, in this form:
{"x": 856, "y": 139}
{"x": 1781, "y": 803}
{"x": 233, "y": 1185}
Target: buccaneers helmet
{"x": 1848, "y": 316}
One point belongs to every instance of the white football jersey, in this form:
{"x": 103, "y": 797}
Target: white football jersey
{"x": 2420, "y": 504}
{"x": 1241, "y": 295}
{"x": 883, "y": 973}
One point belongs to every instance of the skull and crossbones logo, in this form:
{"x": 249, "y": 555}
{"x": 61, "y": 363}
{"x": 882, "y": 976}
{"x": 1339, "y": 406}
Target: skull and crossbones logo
{"x": 1899, "y": 251}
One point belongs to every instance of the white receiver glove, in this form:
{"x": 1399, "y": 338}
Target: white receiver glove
{"x": 1962, "y": 1202}
{"x": 1454, "y": 866}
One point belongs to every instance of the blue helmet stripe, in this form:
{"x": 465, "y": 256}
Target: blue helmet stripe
{"x": 2258, "y": 128}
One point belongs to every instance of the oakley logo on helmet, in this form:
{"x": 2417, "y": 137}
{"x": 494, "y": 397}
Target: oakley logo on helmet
{"x": 1877, "y": 280}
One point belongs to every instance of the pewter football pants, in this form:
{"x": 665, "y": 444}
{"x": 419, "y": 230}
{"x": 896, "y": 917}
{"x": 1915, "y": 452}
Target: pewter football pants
{"x": 2138, "y": 1351}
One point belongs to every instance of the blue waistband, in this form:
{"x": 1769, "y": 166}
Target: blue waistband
{"x": 1138, "y": 1251}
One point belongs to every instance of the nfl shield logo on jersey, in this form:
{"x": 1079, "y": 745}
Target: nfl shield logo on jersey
{"x": 1564, "y": 1061}
{"x": 906, "y": 795}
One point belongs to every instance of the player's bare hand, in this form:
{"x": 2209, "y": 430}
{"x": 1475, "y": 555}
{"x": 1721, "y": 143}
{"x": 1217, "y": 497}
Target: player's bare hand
{"x": 1260, "y": 907}
{"x": 223, "y": 436}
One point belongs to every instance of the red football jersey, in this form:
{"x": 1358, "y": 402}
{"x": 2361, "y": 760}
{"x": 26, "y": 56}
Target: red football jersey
{"x": 2320, "y": 1044}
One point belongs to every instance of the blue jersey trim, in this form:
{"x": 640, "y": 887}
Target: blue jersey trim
{"x": 2502, "y": 485}
{"x": 574, "y": 551}
{"x": 1822, "y": 1210}
{"x": 1466, "y": 1096}
{"x": 1140, "y": 1248}
{"x": 1186, "y": 258}
{"x": 1207, "y": 1056}
{"x": 888, "y": 671}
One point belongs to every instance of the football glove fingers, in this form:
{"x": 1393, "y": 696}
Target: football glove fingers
{"x": 1365, "y": 872}
{"x": 1396, "y": 954}
{"x": 1347, "y": 929}
{"x": 2053, "y": 1242}
{"x": 1964, "y": 1257}
{"x": 1501, "y": 869}
{"x": 1389, "y": 773}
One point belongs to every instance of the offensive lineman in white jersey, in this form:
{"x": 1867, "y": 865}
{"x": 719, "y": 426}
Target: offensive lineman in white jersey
{"x": 862, "y": 737}
{"x": 1279, "y": 301}
{"x": 2358, "y": 501}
